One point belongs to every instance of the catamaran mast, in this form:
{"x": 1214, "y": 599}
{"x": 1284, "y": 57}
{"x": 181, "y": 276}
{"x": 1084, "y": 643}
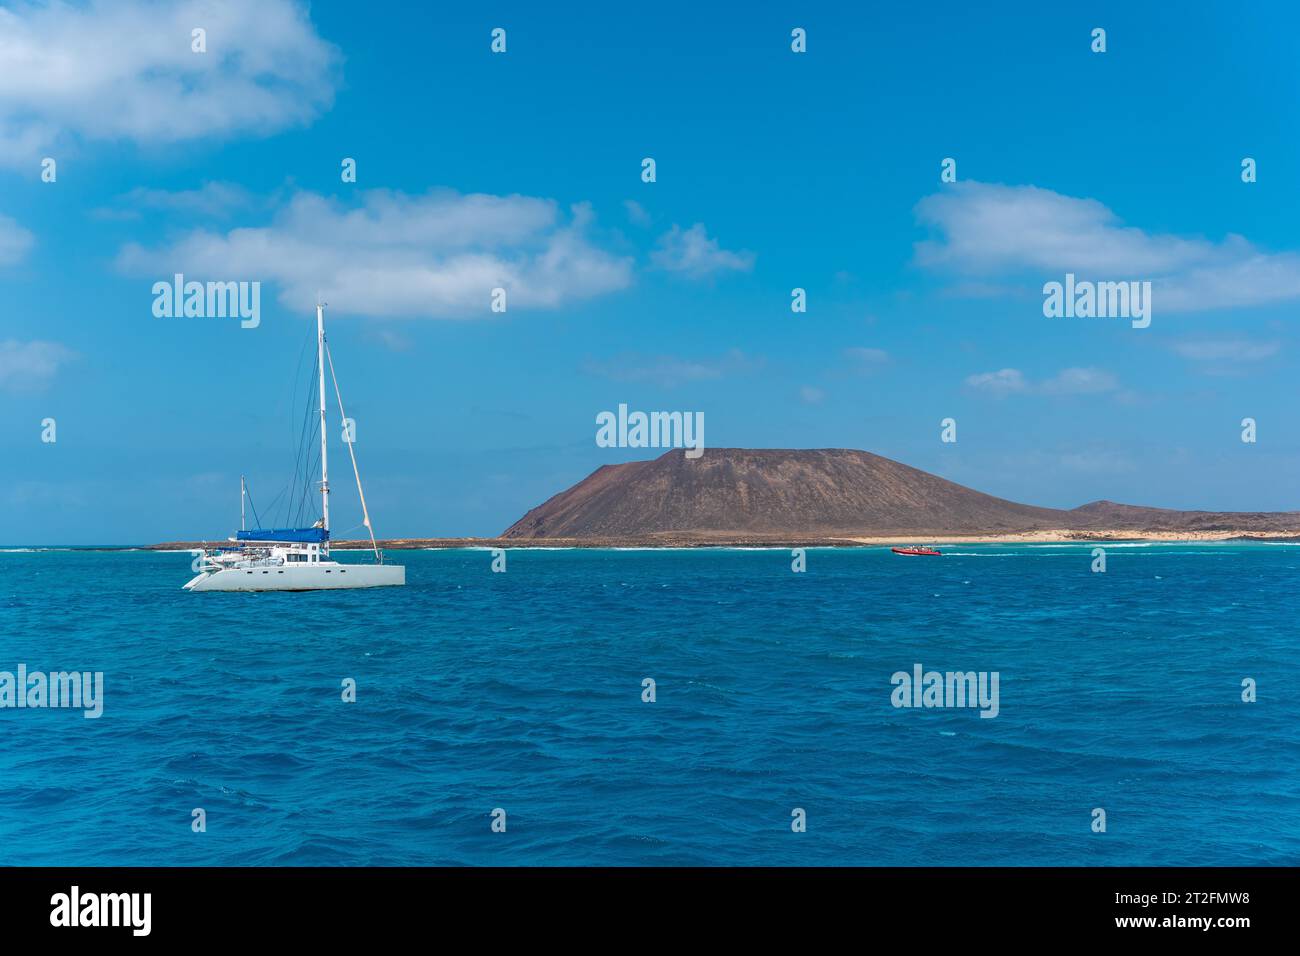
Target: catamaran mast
{"x": 243, "y": 494}
{"x": 348, "y": 440}
{"x": 324, "y": 466}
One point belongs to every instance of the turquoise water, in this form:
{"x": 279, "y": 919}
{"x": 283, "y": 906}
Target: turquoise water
{"x": 523, "y": 691}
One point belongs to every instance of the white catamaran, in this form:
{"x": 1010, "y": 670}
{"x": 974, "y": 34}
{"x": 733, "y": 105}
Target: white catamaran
{"x": 297, "y": 559}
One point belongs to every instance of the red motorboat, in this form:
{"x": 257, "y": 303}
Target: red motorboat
{"x": 915, "y": 550}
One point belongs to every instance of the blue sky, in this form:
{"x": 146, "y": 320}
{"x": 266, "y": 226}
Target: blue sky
{"x": 775, "y": 170}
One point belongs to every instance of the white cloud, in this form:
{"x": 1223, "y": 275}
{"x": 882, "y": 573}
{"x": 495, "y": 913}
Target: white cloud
{"x": 14, "y": 241}
{"x": 636, "y": 213}
{"x": 30, "y": 365}
{"x": 124, "y": 70}
{"x": 1226, "y": 350}
{"x": 669, "y": 371}
{"x": 811, "y": 395}
{"x": 214, "y": 199}
{"x": 1002, "y": 382}
{"x": 692, "y": 253}
{"x": 1070, "y": 381}
{"x": 437, "y": 255}
{"x": 1080, "y": 381}
{"x": 988, "y": 229}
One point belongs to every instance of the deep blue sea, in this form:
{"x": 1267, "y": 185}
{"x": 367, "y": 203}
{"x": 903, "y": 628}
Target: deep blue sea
{"x": 523, "y": 691}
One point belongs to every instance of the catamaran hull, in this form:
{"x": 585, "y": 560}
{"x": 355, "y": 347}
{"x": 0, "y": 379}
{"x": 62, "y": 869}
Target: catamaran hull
{"x": 300, "y": 578}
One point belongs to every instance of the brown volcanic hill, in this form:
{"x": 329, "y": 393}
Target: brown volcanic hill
{"x": 824, "y": 492}
{"x": 773, "y": 491}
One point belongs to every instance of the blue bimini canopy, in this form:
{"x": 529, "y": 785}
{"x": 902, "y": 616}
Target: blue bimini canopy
{"x": 295, "y": 535}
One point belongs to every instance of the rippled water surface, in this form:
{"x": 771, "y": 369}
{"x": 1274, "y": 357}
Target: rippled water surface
{"x": 523, "y": 691}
